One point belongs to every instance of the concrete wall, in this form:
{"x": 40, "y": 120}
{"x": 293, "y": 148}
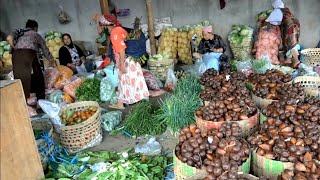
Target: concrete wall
{"x": 14, "y": 14}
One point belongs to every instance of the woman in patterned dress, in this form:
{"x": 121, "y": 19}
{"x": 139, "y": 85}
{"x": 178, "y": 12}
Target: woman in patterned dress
{"x": 132, "y": 86}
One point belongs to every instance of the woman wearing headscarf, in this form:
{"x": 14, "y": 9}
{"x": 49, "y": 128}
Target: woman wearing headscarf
{"x": 70, "y": 55}
{"x": 26, "y": 43}
{"x": 211, "y": 48}
{"x": 132, "y": 86}
{"x": 290, "y": 30}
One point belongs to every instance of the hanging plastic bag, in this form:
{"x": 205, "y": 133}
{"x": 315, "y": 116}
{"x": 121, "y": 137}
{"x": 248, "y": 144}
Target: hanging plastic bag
{"x": 171, "y": 81}
{"x": 199, "y": 67}
{"x": 107, "y": 91}
{"x": 50, "y": 76}
{"x": 151, "y": 148}
{"x": 64, "y": 18}
{"x": 245, "y": 68}
{"x": 111, "y": 120}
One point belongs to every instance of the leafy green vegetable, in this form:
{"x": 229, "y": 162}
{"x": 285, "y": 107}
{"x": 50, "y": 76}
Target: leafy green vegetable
{"x": 3, "y": 43}
{"x": 89, "y": 90}
{"x": 140, "y": 121}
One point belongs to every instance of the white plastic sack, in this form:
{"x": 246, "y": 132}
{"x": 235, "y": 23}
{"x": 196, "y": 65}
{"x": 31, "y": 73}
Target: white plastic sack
{"x": 151, "y": 148}
{"x": 52, "y": 109}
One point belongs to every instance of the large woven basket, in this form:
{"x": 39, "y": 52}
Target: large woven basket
{"x": 44, "y": 148}
{"x": 311, "y": 56}
{"x": 310, "y": 84}
{"x": 160, "y": 68}
{"x": 83, "y": 135}
{"x": 248, "y": 126}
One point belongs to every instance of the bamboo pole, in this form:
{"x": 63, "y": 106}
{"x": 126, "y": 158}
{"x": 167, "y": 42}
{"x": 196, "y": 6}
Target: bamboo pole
{"x": 104, "y": 5}
{"x": 151, "y": 27}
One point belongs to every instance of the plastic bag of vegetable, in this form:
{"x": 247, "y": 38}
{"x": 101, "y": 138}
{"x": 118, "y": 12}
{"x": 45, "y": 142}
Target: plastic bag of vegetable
{"x": 211, "y": 60}
{"x": 151, "y": 80}
{"x": 56, "y": 97}
{"x": 64, "y": 18}
{"x": 245, "y": 68}
{"x": 107, "y": 90}
{"x": 199, "y": 67}
{"x": 50, "y": 76}
{"x": 171, "y": 81}
{"x": 112, "y": 72}
{"x": 111, "y": 120}
{"x": 71, "y": 87}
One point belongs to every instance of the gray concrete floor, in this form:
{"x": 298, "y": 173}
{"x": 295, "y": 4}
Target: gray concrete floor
{"x": 121, "y": 142}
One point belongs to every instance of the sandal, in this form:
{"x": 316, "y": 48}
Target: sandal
{"x": 115, "y": 106}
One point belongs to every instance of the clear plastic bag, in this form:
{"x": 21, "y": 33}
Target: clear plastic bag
{"x": 151, "y": 148}
{"x": 171, "y": 81}
{"x": 107, "y": 90}
{"x": 56, "y": 97}
{"x": 52, "y": 109}
{"x": 245, "y": 68}
{"x": 262, "y": 65}
{"x": 199, "y": 67}
{"x": 110, "y": 120}
{"x": 305, "y": 70}
{"x": 211, "y": 60}
{"x": 64, "y": 18}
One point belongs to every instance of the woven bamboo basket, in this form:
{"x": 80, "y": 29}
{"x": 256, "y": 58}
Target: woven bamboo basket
{"x": 310, "y": 84}
{"x": 183, "y": 171}
{"x": 311, "y": 56}
{"x": 83, "y": 135}
{"x": 160, "y": 68}
{"x": 248, "y": 126}
{"x": 268, "y": 168}
{"x": 44, "y": 148}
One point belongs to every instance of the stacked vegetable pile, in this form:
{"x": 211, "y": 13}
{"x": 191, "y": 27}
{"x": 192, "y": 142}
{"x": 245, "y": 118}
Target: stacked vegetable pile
{"x": 227, "y": 99}
{"x": 70, "y": 117}
{"x": 142, "y": 120}
{"x": 221, "y": 152}
{"x": 240, "y": 39}
{"x": 54, "y": 42}
{"x": 5, "y": 55}
{"x": 169, "y": 42}
{"x": 111, "y": 165}
{"x": 184, "y": 46}
{"x": 89, "y": 90}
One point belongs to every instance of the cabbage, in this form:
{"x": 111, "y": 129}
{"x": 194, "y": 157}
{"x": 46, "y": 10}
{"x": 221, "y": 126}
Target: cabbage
{"x": 7, "y": 47}
{"x": 50, "y": 37}
{"x": 3, "y": 43}
{"x": 50, "y": 33}
{"x": 1, "y": 51}
{"x": 57, "y": 34}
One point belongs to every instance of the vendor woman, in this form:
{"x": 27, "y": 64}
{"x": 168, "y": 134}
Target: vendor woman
{"x": 70, "y": 54}
{"x": 290, "y": 31}
{"x": 212, "y": 45}
{"x": 26, "y": 67}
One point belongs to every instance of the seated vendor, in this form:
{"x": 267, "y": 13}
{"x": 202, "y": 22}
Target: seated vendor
{"x": 70, "y": 54}
{"x": 212, "y": 44}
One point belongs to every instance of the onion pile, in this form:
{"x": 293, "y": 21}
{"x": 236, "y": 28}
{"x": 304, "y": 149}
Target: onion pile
{"x": 220, "y": 152}
{"x": 308, "y": 170}
{"x": 169, "y": 42}
{"x": 286, "y": 141}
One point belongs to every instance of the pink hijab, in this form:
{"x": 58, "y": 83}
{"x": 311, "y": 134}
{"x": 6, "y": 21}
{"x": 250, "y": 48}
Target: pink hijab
{"x": 207, "y": 29}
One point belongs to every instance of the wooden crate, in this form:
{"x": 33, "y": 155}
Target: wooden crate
{"x": 18, "y": 151}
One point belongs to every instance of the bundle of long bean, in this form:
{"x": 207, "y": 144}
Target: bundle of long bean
{"x": 140, "y": 121}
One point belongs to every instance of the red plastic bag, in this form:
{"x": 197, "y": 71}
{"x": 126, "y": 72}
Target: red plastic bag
{"x": 50, "y": 77}
{"x": 151, "y": 80}
{"x": 71, "y": 87}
